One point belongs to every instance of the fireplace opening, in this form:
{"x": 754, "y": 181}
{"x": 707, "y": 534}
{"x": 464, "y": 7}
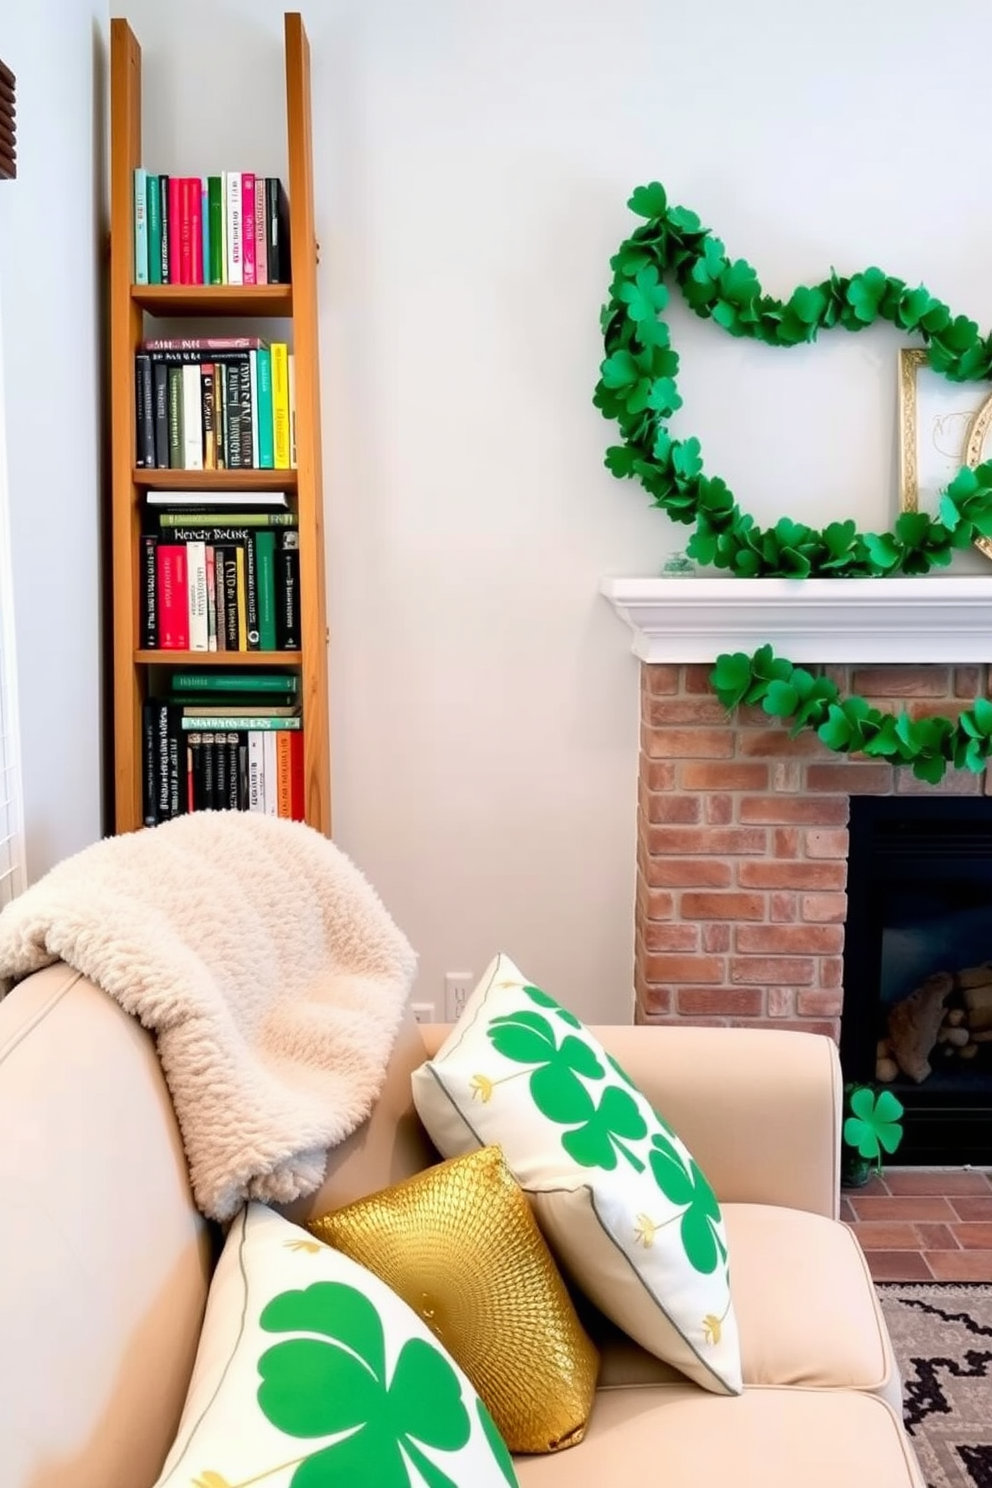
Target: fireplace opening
{"x": 918, "y": 968}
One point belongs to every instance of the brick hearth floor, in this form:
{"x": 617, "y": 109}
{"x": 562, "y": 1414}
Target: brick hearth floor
{"x": 924, "y": 1224}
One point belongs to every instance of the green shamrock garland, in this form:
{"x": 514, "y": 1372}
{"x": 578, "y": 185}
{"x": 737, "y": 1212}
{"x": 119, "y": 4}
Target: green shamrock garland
{"x": 638, "y": 389}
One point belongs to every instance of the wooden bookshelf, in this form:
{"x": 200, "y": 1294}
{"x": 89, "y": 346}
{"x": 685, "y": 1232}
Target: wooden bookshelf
{"x": 134, "y": 669}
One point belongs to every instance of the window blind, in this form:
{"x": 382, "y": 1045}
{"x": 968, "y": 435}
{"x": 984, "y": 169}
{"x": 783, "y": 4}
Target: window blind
{"x": 8, "y": 127}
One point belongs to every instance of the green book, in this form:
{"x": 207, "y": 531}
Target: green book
{"x": 271, "y": 682}
{"x": 175, "y": 412}
{"x": 215, "y": 219}
{"x": 253, "y": 723}
{"x": 265, "y": 580}
{"x": 263, "y": 389}
{"x": 225, "y": 518}
{"x": 154, "y": 214}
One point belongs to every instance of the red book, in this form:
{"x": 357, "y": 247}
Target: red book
{"x": 248, "y": 227}
{"x": 297, "y": 792}
{"x": 196, "y": 227}
{"x": 173, "y": 597}
{"x": 175, "y": 218}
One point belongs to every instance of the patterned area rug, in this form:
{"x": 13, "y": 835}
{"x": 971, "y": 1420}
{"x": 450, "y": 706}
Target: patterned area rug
{"x": 942, "y": 1336}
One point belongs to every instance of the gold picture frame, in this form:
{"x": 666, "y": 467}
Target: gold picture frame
{"x": 943, "y": 425}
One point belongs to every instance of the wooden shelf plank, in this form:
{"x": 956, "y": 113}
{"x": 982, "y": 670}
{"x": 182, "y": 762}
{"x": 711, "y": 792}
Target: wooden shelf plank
{"x": 213, "y": 299}
{"x": 215, "y": 480}
{"x": 202, "y": 660}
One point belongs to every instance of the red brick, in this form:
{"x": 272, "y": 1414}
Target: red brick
{"x": 719, "y": 810}
{"x": 696, "y": 678}
{"x": 831, "y": 971}
{"x": 701, "y": 906}
{"x": 785, "y": 842}
{"x": 722, "y": 841}
{"x": 782, "y": 908}
{"x": 774, "y": 743}
{"x": 969, "y": 1208}
{"x": 901, "y": 681}
{"x": 881, "y": 1234}
{"x": 657, "y": 936}
{"x": 855, "y": 779}
{"x": 659, "y": 681}
{"x": 969, "y": 681}
{"x": 656, "y": 904}
{"x": 787, "y": 775}
{"x": 741, "y": 1002}
{"x": 790, "y": 971}
{"x": 687, "y": 743}
{"x": 827, "y": 842}
{"x": 689, "y": 873}
{"x": 960, "y": 1265}
{"x": 825, "y": 908}
{"x": 839, "y": 673}
{"x": 935, "y": 1237}
{"x": 897, "y": 1265}
{"x": 826, "y": 1028}
{"x": 819, "y": 1004}
{"x": 716, "y": 937}
{"x": 784, "y": 940}
{"x": 658, "y": 712}
{"x": 766, "y": 873}
{"x": 658, "y": 775}
{"x": 954, "y": 783}
{"x": 701, "y": 775}
{"x": 655, "y": 1001}
{"x": 974, "y": 1236}
{"x": 684, "y": 968}
{"x": 900, "y": 1181}
{"x": 818, "y": 811}
{"x": 673, "y": 807}
{"x": 929, "y": 1206}
{"x": 779, "y": 1002}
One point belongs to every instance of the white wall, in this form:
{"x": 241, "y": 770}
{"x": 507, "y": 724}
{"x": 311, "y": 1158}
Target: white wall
{"x": 51, "y": 268}
{"x": 472, "y": 167}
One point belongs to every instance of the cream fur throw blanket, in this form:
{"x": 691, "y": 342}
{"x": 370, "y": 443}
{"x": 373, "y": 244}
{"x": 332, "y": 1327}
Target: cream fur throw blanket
{"x": 267, "y": 967}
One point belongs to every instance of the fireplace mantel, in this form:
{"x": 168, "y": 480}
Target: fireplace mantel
{"x": 689, "y": 619}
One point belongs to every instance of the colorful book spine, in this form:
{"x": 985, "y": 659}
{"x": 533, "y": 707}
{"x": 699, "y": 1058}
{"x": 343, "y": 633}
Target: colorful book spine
{"x": 173, "y": 597}
{"x": 196, "y": 586}
{"x": 175, "y": 220}
{"x": 265, "y": 568}
{"x": 280, "y": 405}
{"x": 284, "y": 775}
{"x": 266, "y": 447}
{"x": 153, "y": 197}
{"x": 204, "y": 234}
{"x": 248, "y": 226}
{"x": 140, "y": 226}
{"x": 287, "y": 583}
{"x": 163, "y": 205}
{"x": 192, "y": 418}
{"x": 235, "y": 262}
{"x": 297, "y": 779}
{"x": 220, "y": 681}
{"x": 194, "y": 198}
{"x": 263, "y": 723}
{"x": 261, "y": 248}
{"x": 212, "y": 643}
{"x": 270, "y": 774}
{"x": 215, "y": 216}
{"x": 149, "y": 593}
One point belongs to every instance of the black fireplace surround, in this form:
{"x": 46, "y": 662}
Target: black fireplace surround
{"x": 919, "y": 903}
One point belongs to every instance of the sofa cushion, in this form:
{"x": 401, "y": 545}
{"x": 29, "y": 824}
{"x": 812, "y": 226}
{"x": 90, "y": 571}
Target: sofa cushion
{"x": 307, "y": 1358}
{"x": 677, "y": 1436}
{"x": 622, "y": 1203}
{"x": 806, "y": 1307}
{"x": 460, "y": 1245}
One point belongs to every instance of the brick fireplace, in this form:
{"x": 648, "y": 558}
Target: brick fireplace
{"x": 742, "y": 844}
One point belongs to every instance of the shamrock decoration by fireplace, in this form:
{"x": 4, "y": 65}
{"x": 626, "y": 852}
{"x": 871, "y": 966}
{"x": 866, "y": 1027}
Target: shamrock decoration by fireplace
{"x": 873, "y": 1126}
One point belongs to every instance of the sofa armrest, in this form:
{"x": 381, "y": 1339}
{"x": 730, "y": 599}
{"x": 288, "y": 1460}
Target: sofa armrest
{"x": 759, "y": 1109}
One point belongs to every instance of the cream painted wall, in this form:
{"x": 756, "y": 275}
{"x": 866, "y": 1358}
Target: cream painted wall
{"x": 52, "y": 236}
{"x": 472, "y": 165}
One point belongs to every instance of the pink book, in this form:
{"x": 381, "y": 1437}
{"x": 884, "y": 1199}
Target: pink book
{"x": 173, "y": 597}
{"x": 248, "y": 226}
{"x": 195, "y": 189}
{"x": 261, "y": 251}
{"x": 175, "y": 229}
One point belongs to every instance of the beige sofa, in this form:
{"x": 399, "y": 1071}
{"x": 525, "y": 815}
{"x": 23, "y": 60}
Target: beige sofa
{"x": 105, "y": 1263}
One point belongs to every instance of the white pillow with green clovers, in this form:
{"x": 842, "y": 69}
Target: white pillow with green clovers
{"x": 620, "y": 1199}
{"x": 312, "y": 1372}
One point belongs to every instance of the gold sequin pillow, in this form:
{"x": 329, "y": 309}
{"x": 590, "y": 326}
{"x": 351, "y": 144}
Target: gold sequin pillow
{"x": 458, "y": 1243}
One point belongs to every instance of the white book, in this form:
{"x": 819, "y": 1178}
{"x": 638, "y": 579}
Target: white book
{"x": 256, "y": 771}
{"x": 196, "y": 582}
{"x": 232, "y": 197}
{"x": 192, "y": 417}
{"x": 291, "y": 384}
{"x": 239, "y": 500}
{"x": 253, "y": 375}
{"x": 270, "y": 771}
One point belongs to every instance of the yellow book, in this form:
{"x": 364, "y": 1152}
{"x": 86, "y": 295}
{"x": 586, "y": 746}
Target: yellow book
{"x": 280, "y": 404}
{"x": 239, "y": 563}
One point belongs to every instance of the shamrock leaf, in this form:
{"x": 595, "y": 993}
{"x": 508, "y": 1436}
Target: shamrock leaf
{"x": 644, "y": 297}
{"x": 808, "y": 304}
{"x": 682, "y": 1182}
{"x": 865, "y": 293}
{"x": 596, "y": 1143}
{"x": 730, "y": 678}
{"x": 337, "y": 1382}
{"x": 556, "y": 1082}
{"x": 649, "y": 201}
{"x": 544, "y": 1000}
{"x": 874, "y": 1125}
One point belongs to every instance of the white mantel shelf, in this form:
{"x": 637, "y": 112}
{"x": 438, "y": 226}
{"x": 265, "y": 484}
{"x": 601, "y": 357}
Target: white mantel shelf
{"x": 842, "y": 620}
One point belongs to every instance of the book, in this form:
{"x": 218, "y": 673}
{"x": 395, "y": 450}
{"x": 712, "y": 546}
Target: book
{"x": 153, "y": 208}
{"x": 280, "y": 404}
{"x": 196, "y": 583}
{"x": 234, "y": 711}
{"x": 248, "y": 226}
{"x": 262, "y": 722}
{"x": 160, "y": 397}
{"x": 149, "y": 771}
{"x": 232, "y": 197}
{"x": 163, "y": 207}
{"x": 149, "y": 593}
{"x": 239, "y": 681}
{"x": 203, "y": 343}
{"x": 264, "y": 542}
{"x": 140, "y": 226}
{"x": 277, "y": 220}
{"x": 266, "y": 450}
{"x": 215, "y": 211}
{"x": 261, "y": 245}
{"x": 287, "y": 587}
{"x": 192, "y": 417}
{"x": 228, "y": 519}
{"x": 296, "y": 778}
{"x": 225, "y": 498}
{"x": 173, "y": 597}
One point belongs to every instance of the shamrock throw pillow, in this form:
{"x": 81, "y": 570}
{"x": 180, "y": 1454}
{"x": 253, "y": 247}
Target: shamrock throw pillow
{"x": 619, "y": 1198}
{"x": 311, "y": 1371}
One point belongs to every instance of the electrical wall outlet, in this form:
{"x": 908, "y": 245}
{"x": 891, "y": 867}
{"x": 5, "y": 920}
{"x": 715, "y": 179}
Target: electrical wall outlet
{"x": 423, "y": 1012}
{"x": 457, "y": 990}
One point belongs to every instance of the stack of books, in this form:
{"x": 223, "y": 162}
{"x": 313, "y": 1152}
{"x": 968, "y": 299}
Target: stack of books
{"x": 215, "y": 403}
{"x": 226, "y": 229}
{"x": 221, "y": 741}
